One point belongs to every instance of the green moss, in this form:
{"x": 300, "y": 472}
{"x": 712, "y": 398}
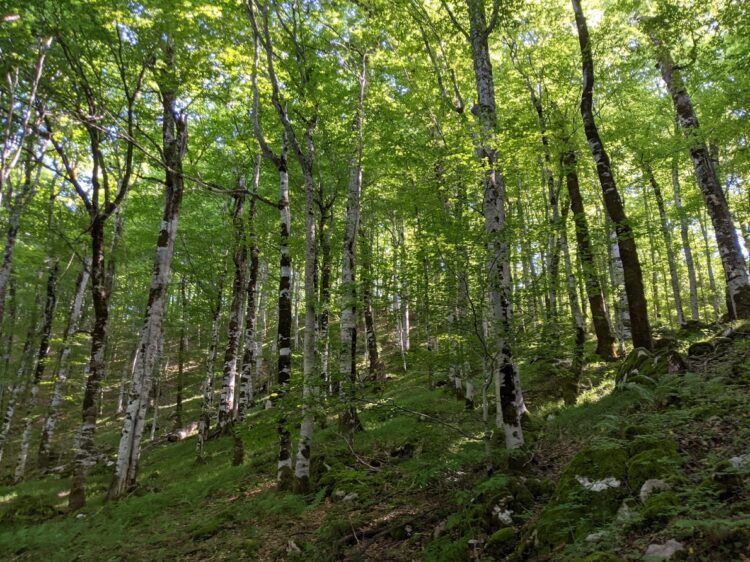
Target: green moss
{"x": 501, "y": 542}
{"x": 652, "y": 463}
{"x": 660, "y": 507}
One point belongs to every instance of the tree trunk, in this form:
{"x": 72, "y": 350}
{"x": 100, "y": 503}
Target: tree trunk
{"x": 666, "y": 229}
{"x": 27, "y": 364}
{"x": 604, "y": 338}
{"x": 239, "y": 290}
{"x": 84, "y": 449}
{"x": 50, "y": 423}
{"x": 284, "y": 473}
{"x": 182, "y": 349}
{"x": 375, "y": 368}
{"x": 174, "y": 141}
{"x": 715, "y": 301}
{"x": 509, "y": 400}
{"x": 633, "y": 277}
{"x": 207, "y": 388}
{"x": 732, "y": 260}
{"x": 39, "y": 367}
{"x": 685, "y": 237}
{"x": 248, "y": 361}
{"x": 348, "y": 324}
{"x": 570, "y": 388}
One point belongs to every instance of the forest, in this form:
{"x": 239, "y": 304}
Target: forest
{"x": 379, "y": 280}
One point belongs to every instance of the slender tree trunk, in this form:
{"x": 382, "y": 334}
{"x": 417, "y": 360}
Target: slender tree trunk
{"x": 375, "y": 368}
{"x": 174, "y": 140}
{"x": 283, "y": 340}
{"x": 248, "y": 361}
{"x": 666, "y": 229}
{"x": 730, "y": 252}
{"x": 348, "y": 324}
{"x": 50, "y": 423}
{"x": 323, "y": 339}
{"x": 715, "y": 300}
{"x": 509, "y": 399}
{"x": 207, "y": 388}
{"x": 26, "y": 364}
{"x": 182, "y": 349}
{"x": 239, "y": 290}
{"x": 304, "y": 450}
{"x": 570, "y": 391}
{"x": 633, "y": 277}
{"x": 685, "y": 237}
{"x": 604, "y": 338}
{"x": 40, "y": 365}
{"x": 84, "y": 449}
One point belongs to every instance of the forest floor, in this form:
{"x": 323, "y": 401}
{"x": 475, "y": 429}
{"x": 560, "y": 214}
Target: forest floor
{"x": 414, "y": 485}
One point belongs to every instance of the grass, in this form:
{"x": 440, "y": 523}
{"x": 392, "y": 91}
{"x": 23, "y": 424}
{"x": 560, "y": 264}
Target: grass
{"x": 418, "y": 466}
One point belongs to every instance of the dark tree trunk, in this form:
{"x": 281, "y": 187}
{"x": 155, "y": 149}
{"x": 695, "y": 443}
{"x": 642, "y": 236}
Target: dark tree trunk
{"x": 248, "y": 360}
{"x": 641, "y": 331}
{"x": 604, "y": 338}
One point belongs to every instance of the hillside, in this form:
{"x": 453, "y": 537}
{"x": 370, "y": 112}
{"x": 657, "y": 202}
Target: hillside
{"x": 414, "y": 484}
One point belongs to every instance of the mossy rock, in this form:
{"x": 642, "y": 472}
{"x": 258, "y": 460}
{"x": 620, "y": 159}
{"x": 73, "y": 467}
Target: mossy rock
{"x": 590, "y": 490}
{"x": 644, "y": 442}
{"x": 701, "y": 349}
{"x": 632, "y": 365}
{"x": 593, "y": 464}
{"x": 727, "y": 481}
{"x": 661, "y": 462}
{"x": 501, "y": 493}
{"x": 501, "y": 542}
{"x": 660, "y": 507}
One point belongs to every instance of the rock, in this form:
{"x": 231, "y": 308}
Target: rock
{"x": 338, "y": 494}
{"x": 596, "y": 537}
{"x": 700, "y": 349}
{"x": 350, "y": 497}
{"x": 650, "y": 486}
{"x": 439, "y": 529}
{"x": 664, "y": 551}
{"x": 625, "y": 513}
{"x": 503, "y": 514}
{"x": 598, "y": 485}
{"x": 665, "y": 342}
{"x": 740, "y": 462}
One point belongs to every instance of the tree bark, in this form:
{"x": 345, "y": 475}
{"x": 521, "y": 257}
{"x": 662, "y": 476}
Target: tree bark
{"x": 182, "y": 349}
{"x": 207, "y": 388}
{"x": 348, "y": 324}
{"x": 666, "y": 229}
{"x": 247, "y": 388}
{"x": 633, "y": 276}
{"x": 239, "y": 290}
{"x": 732, "y": 259}
{"x": 685, "y": 238}
{"x": 509, "y": 399}
{"x": 39, "y": 366}
{"x": 174, "y": 146}
{"x": 604, "y": 338}
{"x": 50, "y": 423}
